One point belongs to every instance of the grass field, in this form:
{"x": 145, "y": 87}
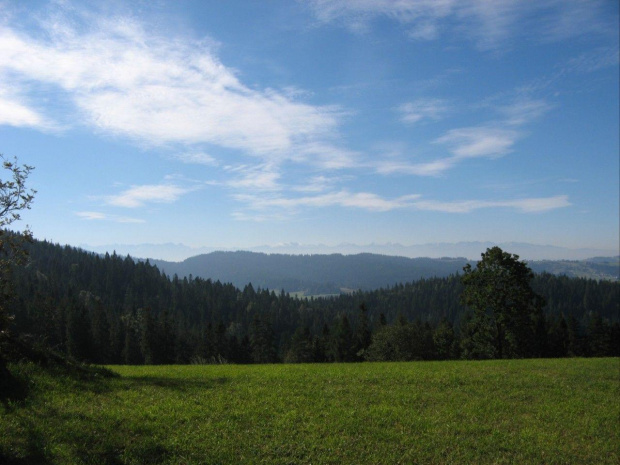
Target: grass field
{"x": 522, "y": 411}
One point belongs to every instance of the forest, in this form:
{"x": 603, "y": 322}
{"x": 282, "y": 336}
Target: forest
{"x": 116, "y": 310}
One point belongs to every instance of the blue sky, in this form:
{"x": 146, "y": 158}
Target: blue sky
{"x": 240, "y": 123}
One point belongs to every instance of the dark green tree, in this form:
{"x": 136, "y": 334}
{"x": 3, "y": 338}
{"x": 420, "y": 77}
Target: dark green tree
{"x": 478, "y": 338}
{"x": 558, "y": 337}
{"x": 599, "y": 337}
{"x": 342, "y": 348}
{"x": 576, "y": 340}
{"x": 262, "y": 342}
{"x": 363, "y": 334}
{"x": 149, "y": 343}
{"x": 401, "y": 343}
{"x": 445, "y": 340}
{"x": 301, "y": 347}
{"x": 79, "y": 337}
{"x": 499, "y": 293}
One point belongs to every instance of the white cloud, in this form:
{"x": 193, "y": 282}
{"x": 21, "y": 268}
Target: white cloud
{"x": 594, "y": 60}
{"x": 343, "y": 198}
{"x": 196, "y": 158}
{"x": 488, "y": 141}
{"x": 373, "y": 202}
{"x": 157, "y": 90}
{"x": 98, "y": 216}
{"x": 261, "y": 177}
{"x": 524, "y": 110}
{"x": 413, "y": 112}
{"x": 317, "y": 184}
{"x": 431, "y": 168}
{"x": 487, "y": 22}
{"x": 138, "y": 196}
{"x": 527, "y": 205}
{"x": 480, "y": 141}
{"x": 18, "y": 114}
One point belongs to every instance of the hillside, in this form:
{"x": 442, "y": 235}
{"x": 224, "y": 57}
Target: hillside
{"x": 331, "y": 274}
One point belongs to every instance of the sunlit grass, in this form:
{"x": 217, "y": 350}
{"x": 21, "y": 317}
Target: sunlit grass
{"x": 522, "y": 411}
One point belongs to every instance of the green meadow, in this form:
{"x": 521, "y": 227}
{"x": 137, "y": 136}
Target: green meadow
{"x": 563, "y": 411}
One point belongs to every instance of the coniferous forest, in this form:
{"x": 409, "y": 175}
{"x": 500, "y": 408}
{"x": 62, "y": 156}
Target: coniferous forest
{"x": 115, "y": 310}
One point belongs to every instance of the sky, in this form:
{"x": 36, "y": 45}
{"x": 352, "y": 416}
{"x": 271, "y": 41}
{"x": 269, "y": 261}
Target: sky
{"x": 238, "y": 124}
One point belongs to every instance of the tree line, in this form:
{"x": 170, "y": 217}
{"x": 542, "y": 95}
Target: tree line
{"x": 115, "y": 310}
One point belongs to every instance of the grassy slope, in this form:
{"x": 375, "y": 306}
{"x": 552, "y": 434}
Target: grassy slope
{"x": 522, "y": 411}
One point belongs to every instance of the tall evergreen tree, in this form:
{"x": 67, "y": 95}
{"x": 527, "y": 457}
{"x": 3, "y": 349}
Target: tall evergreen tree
{"x": 78, "y": 331}
{"x": 363, "y": 334}
{"x": 342, "y": 346}
{"x": 262, "y": 341}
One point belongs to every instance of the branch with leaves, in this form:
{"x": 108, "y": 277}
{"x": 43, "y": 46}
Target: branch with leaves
{"x": 15, "y": 197}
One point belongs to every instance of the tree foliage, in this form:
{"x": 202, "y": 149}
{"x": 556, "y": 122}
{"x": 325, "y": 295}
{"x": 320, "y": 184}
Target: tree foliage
{"x": 505, "y": 308}
{"x": 14, "y": 198}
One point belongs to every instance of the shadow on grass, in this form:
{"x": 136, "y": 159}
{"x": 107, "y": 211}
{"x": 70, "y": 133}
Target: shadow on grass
{"x": 13, "y": 390}
{"x": 33, "y": 453}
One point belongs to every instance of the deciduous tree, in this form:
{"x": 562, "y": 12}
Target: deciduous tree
{"x": 499, "y": 293}
{"x": 14, "y": 198}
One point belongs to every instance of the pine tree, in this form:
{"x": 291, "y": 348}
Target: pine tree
{"x": 262, "y": 341}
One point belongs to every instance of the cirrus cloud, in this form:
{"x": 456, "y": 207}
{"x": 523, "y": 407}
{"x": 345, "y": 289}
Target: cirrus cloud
{"x": 138, "y": 196}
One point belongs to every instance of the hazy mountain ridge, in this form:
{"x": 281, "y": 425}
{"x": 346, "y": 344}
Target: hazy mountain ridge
{"x": 471, "y": 250}
{"x": 319, "y": 274}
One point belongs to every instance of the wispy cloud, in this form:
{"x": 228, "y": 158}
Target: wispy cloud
{"x": 524, "y": 111}
{"x": 372, "y": 202}
{"x": 526, "y": 205}
{"x": 481, "y": 141}
{"x": 14, "y": 112}
{"x": 431, "y": 168}
{"x": 491, "y": 140}
{"x": 343, "y": 198}
{"x": 317, "y": 184}
{"x": 123, "y": 79}
{"x": 138, "y": 196}
{"x": 433, "y": 109}
{"x": 255, "y": 177}
{"x": 196, "y": 158}
{"x": 98, "y": 216}
{"x": 487, "y": 23}
{"x": 594, "y": 60}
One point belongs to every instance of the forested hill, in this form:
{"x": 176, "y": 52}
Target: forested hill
{"x": 331, "y": 274}
{"x": 113, "y": 309}
{"x": 313, "y": 274}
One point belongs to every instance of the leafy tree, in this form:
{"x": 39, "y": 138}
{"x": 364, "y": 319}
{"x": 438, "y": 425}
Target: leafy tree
{"x": 478, "y": 337}
{"x": 400, "y": 343}
{"x": 444, "y": 339}
{"x": 498, "y": 291}
{"x": 14, "y": 198}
